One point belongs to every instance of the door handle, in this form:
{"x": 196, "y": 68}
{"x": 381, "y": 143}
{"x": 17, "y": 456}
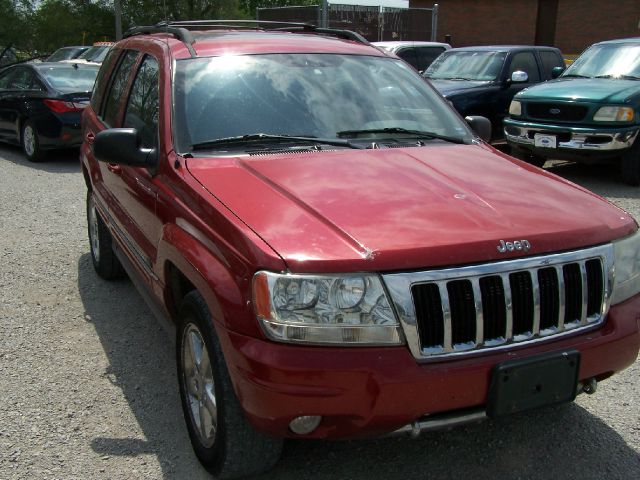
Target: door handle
{"x": 89, "y": 137}
{"x": 115, "y": 168}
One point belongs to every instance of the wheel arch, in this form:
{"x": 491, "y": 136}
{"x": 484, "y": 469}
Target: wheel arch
{"x": 186, "y": 264}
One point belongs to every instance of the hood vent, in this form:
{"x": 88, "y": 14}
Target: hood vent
{"x": 265, "y": 153}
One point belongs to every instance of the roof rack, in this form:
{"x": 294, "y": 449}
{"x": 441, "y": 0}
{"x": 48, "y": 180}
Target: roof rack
{"x": 182, "y": 29}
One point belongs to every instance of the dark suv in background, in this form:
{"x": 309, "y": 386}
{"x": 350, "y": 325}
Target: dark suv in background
{"x": 483, "y": 80}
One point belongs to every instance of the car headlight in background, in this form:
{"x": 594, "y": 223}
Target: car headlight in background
{"x": 627, "y": 268}
{"x": 325, "y": 309}
{"x": 515, "y": 108}
{"x": 614, "y": 114}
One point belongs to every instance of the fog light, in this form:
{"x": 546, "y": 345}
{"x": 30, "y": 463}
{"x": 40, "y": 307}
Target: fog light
{"x": 304, "y": 425}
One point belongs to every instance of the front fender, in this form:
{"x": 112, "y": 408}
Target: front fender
{"x": 223, "y": 281}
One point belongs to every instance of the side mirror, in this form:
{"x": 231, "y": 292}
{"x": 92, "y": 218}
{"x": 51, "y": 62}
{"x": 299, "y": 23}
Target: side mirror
{"x": 480, "y": 125}
{"x": 122, "y": 147}
{"x": 519, "y": 77}
{"x": 556, "y": 72}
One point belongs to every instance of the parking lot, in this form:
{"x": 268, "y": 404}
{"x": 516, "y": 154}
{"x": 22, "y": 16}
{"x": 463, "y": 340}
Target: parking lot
{"x": 88, "y": 386}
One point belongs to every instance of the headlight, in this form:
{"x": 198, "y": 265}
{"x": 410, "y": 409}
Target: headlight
{"x": 325, "y": 309}
{"x": 515, "y": 108}
{"x": 614, "y": 114}
{"x": 627, "y": 268}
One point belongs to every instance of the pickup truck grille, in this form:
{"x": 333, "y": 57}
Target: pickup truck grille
{"x": 456, "y": 311}
{"x": 551, "y": 111}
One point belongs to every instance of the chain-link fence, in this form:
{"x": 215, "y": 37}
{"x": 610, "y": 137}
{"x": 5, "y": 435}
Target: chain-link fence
{"x": 373, "y": 23}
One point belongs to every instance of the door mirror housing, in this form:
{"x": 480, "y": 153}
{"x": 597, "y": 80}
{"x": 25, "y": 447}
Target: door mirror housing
{"x": 519, "y": 77}
{"x": 556, "y": 71}
{"x": 480, "y": 125}
{"x": 122, "y": 146}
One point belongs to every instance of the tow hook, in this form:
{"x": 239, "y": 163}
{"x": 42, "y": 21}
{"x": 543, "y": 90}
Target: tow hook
{"x": 590, "y": 386}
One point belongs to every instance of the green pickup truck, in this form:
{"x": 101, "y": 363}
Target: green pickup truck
{"x": 591, "y": 113}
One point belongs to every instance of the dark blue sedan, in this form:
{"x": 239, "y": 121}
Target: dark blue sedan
{"x": 41, "y": 104}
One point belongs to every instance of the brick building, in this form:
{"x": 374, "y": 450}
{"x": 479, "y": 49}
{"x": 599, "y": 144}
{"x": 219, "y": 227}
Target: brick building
{"x": 571, "y": 25}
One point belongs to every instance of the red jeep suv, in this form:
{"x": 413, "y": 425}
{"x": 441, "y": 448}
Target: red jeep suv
{"x": 341, "y": 254}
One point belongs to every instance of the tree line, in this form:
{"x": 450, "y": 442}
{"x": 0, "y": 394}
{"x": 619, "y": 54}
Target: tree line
{"x": 38, "y": 27}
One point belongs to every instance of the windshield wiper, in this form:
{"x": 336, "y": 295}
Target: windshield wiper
{"x": 624, "y": 77}
{"x": 413, "y": 133}
{"x": 269, "y": 138}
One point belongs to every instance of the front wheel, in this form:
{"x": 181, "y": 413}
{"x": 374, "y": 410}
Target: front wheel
{"x": 222, "y": 438}
{"x": 30, "y": 143}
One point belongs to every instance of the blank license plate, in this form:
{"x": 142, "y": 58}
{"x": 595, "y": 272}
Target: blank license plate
{"x": 544, "y": 141}
{"x": 519, "y": 385}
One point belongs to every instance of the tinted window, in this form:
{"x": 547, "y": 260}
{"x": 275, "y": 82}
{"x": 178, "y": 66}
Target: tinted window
{"x": 426, "y": 56}
{"x": 4, "y": 78}
{"x": 118, "y": 85}
{"x": 549, "y": 61}
{"x": 525, "y": 62}
{"x": 21, "y": 80}
{"x": 409, "y": 56}
{"x": 142, "y": 108}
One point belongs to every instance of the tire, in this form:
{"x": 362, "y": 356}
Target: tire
{"x": 630, "y": 167}
{"x": 222, "y": 438}
{"x": 104, "y": 259}
{"x": 530, "y": 158}
{"x": 30, "y": 143}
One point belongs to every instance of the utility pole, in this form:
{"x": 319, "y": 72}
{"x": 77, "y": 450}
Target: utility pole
{"x": 118, "y": 12}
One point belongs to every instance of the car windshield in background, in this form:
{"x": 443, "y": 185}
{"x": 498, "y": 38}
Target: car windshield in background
{"x": 469, "y": 65}
{"x": 65, "y": 53}
{"x": 617, "y": 60}
{"x": 68, "y": 78}
{"x": 313, "y": 95}
{"x": 95, "y": 53}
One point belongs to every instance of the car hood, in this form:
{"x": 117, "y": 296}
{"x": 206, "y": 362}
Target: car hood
{"x": 405, "y": 208}
{"x": 599, "y": 90}
{"x": 450, "y": 87}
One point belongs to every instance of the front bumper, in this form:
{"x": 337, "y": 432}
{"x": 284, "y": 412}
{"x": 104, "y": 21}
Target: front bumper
{"x": 373, "y": 391}
{"x": 571, "y": 141}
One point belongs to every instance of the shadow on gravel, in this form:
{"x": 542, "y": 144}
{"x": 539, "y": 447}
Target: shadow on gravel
{"x": 604, "y": 180}
{"x": 56, "y": 161}
{"x": 141, "y": 364}
{"x": 565, "y": 442}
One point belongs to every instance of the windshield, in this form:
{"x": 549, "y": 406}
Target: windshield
{"x": 304, "y": 95}
{"x": 66, "y": 78}
{"x": 613, "y": 59}
{"x": 95, "y": 53}
{"x": 467, "y": 65}
{"x": 64, "y": 54}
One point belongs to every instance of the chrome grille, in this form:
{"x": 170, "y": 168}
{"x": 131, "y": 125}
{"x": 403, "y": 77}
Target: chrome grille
{"x": 460, "y": 310}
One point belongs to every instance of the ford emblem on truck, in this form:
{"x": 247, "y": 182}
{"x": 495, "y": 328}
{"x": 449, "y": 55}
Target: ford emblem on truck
{"x": 515, "y": 245}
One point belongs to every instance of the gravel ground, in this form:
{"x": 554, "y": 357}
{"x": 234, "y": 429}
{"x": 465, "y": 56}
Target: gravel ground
{"x": 88, "y": 388}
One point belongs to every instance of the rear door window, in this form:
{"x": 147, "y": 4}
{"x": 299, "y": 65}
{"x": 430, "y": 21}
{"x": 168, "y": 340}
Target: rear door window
{"x": 117, "y": 88}
{"x": 525, "y": 62}
{"x": 409, "y": 56}
{"x": 426, "y": 56}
